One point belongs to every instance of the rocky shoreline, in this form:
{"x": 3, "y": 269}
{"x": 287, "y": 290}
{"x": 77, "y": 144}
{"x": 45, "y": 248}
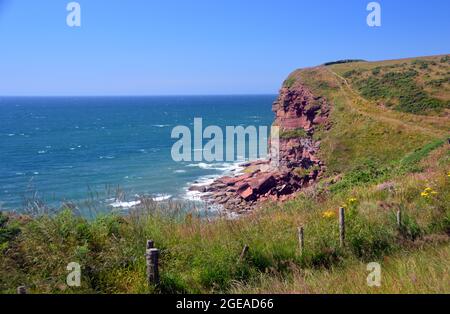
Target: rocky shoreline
{"x": 298, "y": 113}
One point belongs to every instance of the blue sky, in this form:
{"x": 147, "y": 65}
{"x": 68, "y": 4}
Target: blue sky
{"x": 168, "y": 47}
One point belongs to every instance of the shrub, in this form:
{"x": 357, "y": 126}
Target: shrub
{"x": 367, "y": 240}
{"x": 7, "y": 232}
{"x": 410, "y": 229}
{"x": 303, "y": 172}
{"x": 376, "y": 71}
{"x": 297, "y": 133}
{"x": 402, "y": 87}
{"x": 349, "y": 74}
{"x": 445, "y": 59}
{"x": 344, "y": 61}
{"x": 290, "y": 82}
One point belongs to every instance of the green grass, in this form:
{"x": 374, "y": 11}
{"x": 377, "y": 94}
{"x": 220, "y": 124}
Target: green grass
{"x": 364, "y": 146}
{"x": 371, "y": 171}
{"x": 201, "y": 256}
{"x": 400, "y": 88}
{"x": 297, "y": 133}
{"x": 302, "y": 172}
{"x": 289, "y": 82}
{"x": 401, "y": 85}
{"x": 404, "y": 273}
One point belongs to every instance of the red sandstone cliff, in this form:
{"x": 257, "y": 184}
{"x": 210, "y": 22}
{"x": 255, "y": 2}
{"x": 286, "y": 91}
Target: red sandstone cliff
{"x": 298, "y": 113}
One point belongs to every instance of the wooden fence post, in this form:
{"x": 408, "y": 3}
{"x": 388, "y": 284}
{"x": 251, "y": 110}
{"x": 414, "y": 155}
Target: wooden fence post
{"x": 243, "y": 253}
{"x": 301, "y": 239}
{"x": 152, "y": 260}
{"x": 399, "y": 219}
{"x": 342, "y": 226}
{"x": 21, "y": 290}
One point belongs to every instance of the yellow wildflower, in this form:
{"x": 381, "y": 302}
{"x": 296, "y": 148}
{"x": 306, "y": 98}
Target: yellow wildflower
{"x": 428, "y": 190}
{"x": 328, "y": 214}
{"x": 352, "y": 200}
{"x": 434, "y": 192}
{"x": 424, "y": 194}
{"x": 448, "y": 174}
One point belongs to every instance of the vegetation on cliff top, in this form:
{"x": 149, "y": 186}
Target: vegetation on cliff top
{"x": 296, "y": 133}
{"x": 413, "y": 86}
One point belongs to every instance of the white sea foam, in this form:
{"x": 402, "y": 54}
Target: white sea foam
{"x": 162, "y": 197}
{"x": 125, "y": 205}
{"x": 161, "y": 125}
{"x": 179, "y": 171}
{"x": 106, "y": 157}
{"x": 195, "y": 196}
{"x": 225, "y": 167}
{"x": 130, "y": 204}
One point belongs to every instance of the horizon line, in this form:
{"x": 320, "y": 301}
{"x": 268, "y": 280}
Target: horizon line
{"x": 155, "y": 95}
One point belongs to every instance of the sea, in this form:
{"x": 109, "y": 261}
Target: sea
{"x": 111, "y": 150}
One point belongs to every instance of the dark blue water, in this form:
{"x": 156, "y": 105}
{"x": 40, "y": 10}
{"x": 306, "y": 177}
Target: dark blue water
{"x": 66, "y": 149}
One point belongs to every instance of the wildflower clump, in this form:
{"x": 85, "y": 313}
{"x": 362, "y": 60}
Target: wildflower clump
{"x": 352, "y": 200}
{"x": 428, "y": 192}
{"x": 329, "y": 214}
{"x": 351, "y": 207}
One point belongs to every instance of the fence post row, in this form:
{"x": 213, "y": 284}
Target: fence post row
{"x": 152, "y": 261}
{"x": 243, "y": 253}
{"x": 342, "y": 226}
{"x": 301, "y": 239}
{"x": 399, "y": 219}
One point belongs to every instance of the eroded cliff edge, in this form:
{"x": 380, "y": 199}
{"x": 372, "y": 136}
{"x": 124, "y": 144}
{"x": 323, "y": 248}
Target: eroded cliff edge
{"x": 298, "y": 113}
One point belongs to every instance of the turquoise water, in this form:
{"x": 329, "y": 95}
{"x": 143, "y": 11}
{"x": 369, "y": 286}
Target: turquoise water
{"x": 69, "y": 149}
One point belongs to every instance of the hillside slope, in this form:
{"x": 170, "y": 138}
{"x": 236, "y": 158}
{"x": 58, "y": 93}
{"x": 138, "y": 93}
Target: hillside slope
{"x": 368, "y": 124}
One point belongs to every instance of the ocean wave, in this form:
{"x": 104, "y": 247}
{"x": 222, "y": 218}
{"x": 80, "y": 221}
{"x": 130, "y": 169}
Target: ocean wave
{"x": 161, "y": 125}
{"x": 124, "y": 205}
{"x": 131, "y": 204}
{"x": 162, "y": 197}
{"x": 225, "y": 167}
{"x": 194, "y": 196}
{"x": 201, "y": 181}
{"x": 179, "y": 171}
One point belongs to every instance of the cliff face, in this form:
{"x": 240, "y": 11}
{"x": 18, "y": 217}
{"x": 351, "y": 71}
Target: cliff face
{"x": 298, "y": 113}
